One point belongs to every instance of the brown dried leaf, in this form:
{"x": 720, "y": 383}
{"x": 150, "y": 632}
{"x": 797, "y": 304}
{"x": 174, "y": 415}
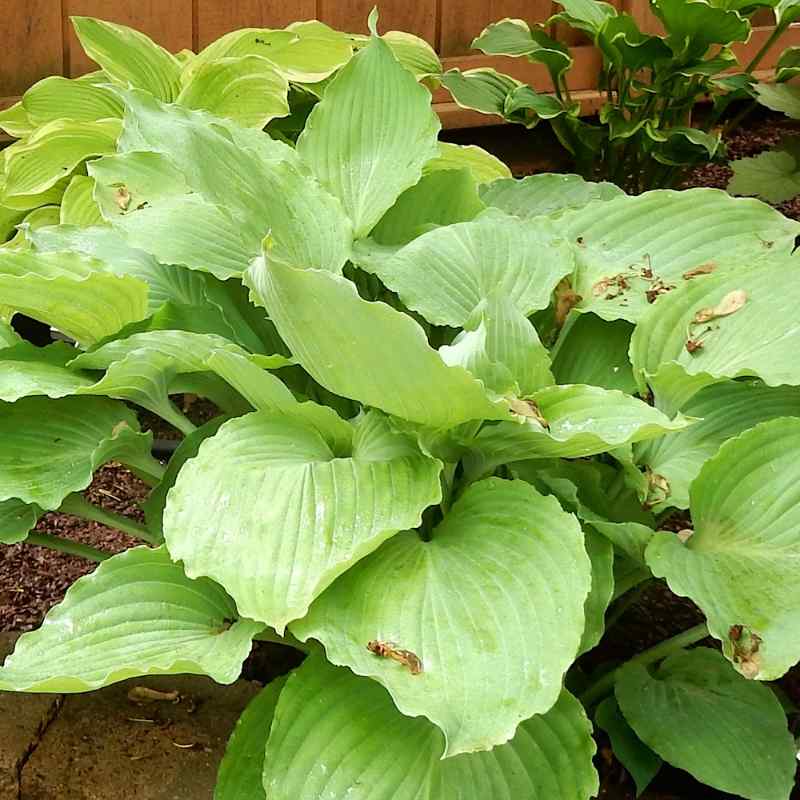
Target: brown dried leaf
{"x": 390, "y": 650}
{"x": 684, "y": 535}
{"x": 122, "y": 197}
{"x": 566, "y": 300}
{"x": 528, "y": 408}
{"x": 702, "y": 269}
{"x": 693, "y": 345}
{"x": 730, "y": 304}
{"x": 745, "y": 643}
{"x": 143, "y": 695}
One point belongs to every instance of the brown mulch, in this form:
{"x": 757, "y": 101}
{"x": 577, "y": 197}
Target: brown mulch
{"x": 761, "y": 132}
{"x": 33, "y": 579}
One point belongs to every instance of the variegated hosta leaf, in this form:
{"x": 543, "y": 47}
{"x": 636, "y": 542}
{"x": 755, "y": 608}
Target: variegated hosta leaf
{"x": 249, "y": 90}
{"x": 71, "y": 292}
{"x": 242, "y": 767}
{"x": 594, "y": 351}
{"x": 369, "y": 137}
{"x": 165, "y": 282}
{"x": 52, "y": 447}
{"x": 293, "y": 502}
{"x": 740, "y": 564}
{"x": 17, "y": 519}
{"x": 446, "y": 273}
{"x": 80, "y": 100}
{"x": 14, "y": 121}
{"x": 334, "y": 733}
{"x": 581, "y": 421}
{"x": 53, "y": 153}
{"x": 500, "y": 347}
{"x": 243, "y": 189}
{"x": 137, "y": 614}
{"x": 78, "y": 206}
{"x": 442, "y": 197}
{"x": 130, "y": 58}
{"x": 665, "y": 234}
{"x": 397, "y": 369}
{"x": 475, "y": 600}
{"x": 723, "y": 410}
{"x": 484, "y": 167}
{"x": 314, "y": 52}
{"x": 687, "y": 711}
{"x": 757, "y": 337}
{"x": 416, "y": 55}
{"x": 545, "y": 194}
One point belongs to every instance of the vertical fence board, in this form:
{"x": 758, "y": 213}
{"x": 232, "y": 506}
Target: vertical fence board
{"x": 215, "y": 18}
{"x": 168, "y": 23}
{"x": 30, "y": 33}
{"x": 463, "y": 20}
{"x": 414, "y": 16}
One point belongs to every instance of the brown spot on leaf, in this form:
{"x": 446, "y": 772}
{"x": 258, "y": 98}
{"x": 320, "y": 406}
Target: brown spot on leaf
{"x": 693, "y": 345}
{"x": 702, "y": 269}
{"x": 745, "y": 644}
{"x": 566, "y": 300}
{"x": 529, "y": 409}
{"x": 390, "y": 650}
{"x": 730, "y": 304}
{"x": 122, "y": 197}
{"x": 658, "y": 489}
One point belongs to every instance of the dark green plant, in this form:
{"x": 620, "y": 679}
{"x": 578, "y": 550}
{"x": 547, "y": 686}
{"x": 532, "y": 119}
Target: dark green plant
{"x": 647, "y": 132}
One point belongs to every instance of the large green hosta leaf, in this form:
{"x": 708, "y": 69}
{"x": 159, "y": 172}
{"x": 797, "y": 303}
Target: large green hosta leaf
{"x": 446, "y": 273}
{"x": 8, "y": 336}
{"x": 71, "y": 292}
{"x": 165, "y": 282}
{"x": 581, "y": 421}
{"x": 52, "y": 447}
{"x": 16, "y": 520}
{"x": 538, "y": 195}
{"x": 53, "y": 153}
{"x": 397, "y": 370}
{"x": 668, "y": 233}
{"x": 593, "y": 351}
{"x": 293, "y": 502}
{"x": 484, "y": 167}
{"x": 442, "y": 197}
{"x": 82, "y": 100}
{"x": 78, "y": 206}
{"x": 130, "y": 58}
{"x": 243, "y": 188}
{"x": 369, "y": 137}
{"x": 334, "y": 733}
{"x": 476, "y": 594}
{"x": 249, "y": 90}
{"x": 740, "y": 565}
{"x": 699, "y": 715}
{"x": 500, "y": 347}
{"x": 694, "y": 26}
{"x": 240, "y": 773}
{"x": 757, "y": 339}
{"x": 137, "y": 614}
{"x": 724, "y": 410}
{"x": 26, "y": 370}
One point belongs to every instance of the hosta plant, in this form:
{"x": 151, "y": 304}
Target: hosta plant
{"x": 255, "y": 77}
{"x": 774, "y": 175}
{"x": 646, "y": 134}
{"x": 455, "y": 411}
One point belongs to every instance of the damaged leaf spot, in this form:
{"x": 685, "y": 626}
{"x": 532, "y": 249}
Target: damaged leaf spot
{"x": 729, "y": 304}
{"x": 658, "y": 489}
{"x": 693, "y": 345}
{"x": 745, "y": 644}
{"x": 566, "y": 300}
{"x": 122, "y": 197}
{"x": 118, "y": 428}
{"x": 392, "y": 651}
{"x": 612, "y": 287}
{"x": 702, "y": 269}
{"x": 529, "y": 409}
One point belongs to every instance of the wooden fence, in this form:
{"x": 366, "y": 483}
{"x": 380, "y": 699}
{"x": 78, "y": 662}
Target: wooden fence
{"x": 36, "y": 38}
